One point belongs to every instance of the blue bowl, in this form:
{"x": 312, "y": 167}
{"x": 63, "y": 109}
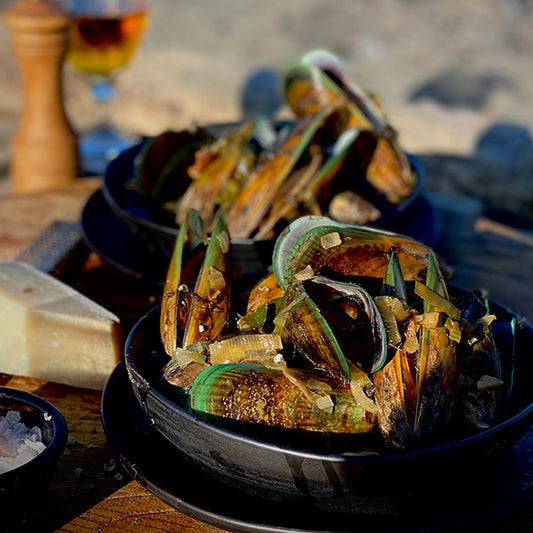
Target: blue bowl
{"x": 23, "y": 490}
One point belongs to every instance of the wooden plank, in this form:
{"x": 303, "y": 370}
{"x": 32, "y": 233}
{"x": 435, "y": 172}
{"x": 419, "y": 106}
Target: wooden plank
{"x": 487, "y": 255}
{"x": 132, "y": 508}
{"x": 23, "y": 216}
{"x": 86, "y": 473}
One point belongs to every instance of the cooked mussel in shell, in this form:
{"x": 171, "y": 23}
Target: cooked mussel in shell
{"x": 309, "y": 88}
{"x": 195, "y": 307}
{"x": 333, "y": 324}
{"x": 323, "y": 244}
{"x": 415, "y": 391}
{"x": 266, "y": 395}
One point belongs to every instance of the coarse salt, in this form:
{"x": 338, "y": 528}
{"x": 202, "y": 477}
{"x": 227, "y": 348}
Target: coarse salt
{"x": 18, "y": 443}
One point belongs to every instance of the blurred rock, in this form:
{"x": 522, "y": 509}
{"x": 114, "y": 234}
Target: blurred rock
{"x": 505, "y": 192}
{"x": 505, "y": 144}
{"x": 262, "y": 94}
{"x": 460, "y": 89}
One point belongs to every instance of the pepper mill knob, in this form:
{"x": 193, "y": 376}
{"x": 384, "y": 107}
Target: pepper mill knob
{"x": 44, "y": 148}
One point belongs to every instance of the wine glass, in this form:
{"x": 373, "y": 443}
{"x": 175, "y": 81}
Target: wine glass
{"x": 103, "y": 36}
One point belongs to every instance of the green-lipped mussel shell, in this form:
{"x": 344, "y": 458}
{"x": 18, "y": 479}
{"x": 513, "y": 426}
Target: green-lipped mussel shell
{"x": 255, "y": 393}
{"x": 308, "y": 89}
{"x": 210, "y": 305}
{"x": 333, "y": 323}
{"x": 369, "y": 160}
{"x": 479, "y": 359}
{"x": 393, "y": 281}
{"x": 265, "y": 291}
{"x": 344, "y": 249}
{"x": 255, "y": 198}
{"x": 161, "y": 164}
{"x": 436, "y": 379}
{"x": 389, "y": 172}
{"x": 187, "y": 255}
{"x": 392, "y": 395}
{"x": 213, "y": 171}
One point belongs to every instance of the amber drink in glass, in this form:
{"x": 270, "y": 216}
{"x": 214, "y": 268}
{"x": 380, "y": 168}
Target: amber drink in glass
{"x": 103, "y": 37}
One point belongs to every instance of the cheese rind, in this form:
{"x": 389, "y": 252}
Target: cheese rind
{"x": 50, "y": 331}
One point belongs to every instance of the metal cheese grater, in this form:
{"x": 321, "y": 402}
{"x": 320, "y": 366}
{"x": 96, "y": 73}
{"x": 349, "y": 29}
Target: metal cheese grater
{"x": 54, "y": 248}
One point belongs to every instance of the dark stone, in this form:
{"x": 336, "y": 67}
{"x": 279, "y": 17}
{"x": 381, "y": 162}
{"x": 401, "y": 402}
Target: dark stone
{"x": 505, "y": 143}
{"x": 459, "y": 89}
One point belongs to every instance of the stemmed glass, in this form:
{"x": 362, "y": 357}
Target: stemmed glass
{"x": 103, "y": 36}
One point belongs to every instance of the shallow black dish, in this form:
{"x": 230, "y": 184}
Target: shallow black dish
{"x": 106, "y": 234}
{"x": 303, "y": 467}
{"x": 158, "y": 236}
{"x": 157, "y": 465}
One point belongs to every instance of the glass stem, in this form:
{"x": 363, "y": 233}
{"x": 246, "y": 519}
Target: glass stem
{"x": 103, "y": 92}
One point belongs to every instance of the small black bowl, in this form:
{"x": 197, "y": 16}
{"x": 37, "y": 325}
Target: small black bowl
{"x": 24, "y": 490}
{"x": 298, "y": 467}
{"x": 249, "y": 255}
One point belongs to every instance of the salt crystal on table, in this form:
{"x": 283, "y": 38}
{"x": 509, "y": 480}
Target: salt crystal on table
{"x": 18, "y": 443}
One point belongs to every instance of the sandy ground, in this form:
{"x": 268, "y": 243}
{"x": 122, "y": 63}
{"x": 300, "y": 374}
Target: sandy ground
{"x": 446, "y": 72}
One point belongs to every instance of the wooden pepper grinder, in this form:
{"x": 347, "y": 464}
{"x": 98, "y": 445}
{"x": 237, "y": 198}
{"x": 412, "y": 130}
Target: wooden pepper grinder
{"x": 44, "y": 148}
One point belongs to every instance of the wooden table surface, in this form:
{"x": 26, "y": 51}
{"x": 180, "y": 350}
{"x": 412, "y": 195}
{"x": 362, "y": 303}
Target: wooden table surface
{"x": 90, "y": 492}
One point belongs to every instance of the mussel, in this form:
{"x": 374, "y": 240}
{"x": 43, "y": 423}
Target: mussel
{"x": 195, "y": 309}
{"x": 417, "y": 391}
{"x": 309, "y": 89}
{"x": 333, "y": 323}
{"x": 189, "y": 252}
{"x": 251, "y": 204}
{"x": 266, "y": 395}
{"x": 217, "y": 174}
{"x": 324, "y": 244}
{"x": 161, "y": 164}
{"x": 437, "y": 356}
{"x": 483, "y": 388}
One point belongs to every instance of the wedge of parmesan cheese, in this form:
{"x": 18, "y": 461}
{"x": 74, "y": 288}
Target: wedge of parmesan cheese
{"x": 50, "y": 331}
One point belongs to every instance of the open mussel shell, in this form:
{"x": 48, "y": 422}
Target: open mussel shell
{"x": 159, "y": 167}
{"x": 309, "y": 89}
{"x": 189, "y": 249}
{"x": 302, "y": 466}
{"x": 333, "y": 323}
{"x": 264, "y": 395}
{"x": 346, "y": 250}
{"x": 209, "y": 311}
{"x": 268, "y": 176}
